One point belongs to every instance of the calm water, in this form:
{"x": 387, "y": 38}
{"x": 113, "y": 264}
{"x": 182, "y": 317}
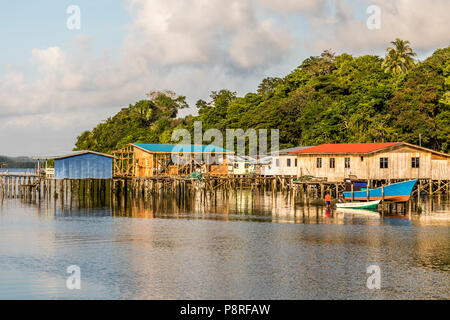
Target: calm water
{"x": 245, "y": 246}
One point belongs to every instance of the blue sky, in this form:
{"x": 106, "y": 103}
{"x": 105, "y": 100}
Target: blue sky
{"x": 56, "y": 83}
{"x": 25, "y": 25}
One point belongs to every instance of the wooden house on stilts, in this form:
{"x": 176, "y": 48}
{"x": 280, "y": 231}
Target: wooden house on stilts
{"x": 374, "y": 161}
{"x": 152, "y": 160}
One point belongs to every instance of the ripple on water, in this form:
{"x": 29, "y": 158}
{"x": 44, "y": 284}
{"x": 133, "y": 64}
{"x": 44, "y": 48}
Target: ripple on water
{"x": 268, "y": 250}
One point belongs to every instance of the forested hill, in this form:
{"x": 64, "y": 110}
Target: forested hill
{"x": 16, "y": 162}
{"x": 327, "y": 99}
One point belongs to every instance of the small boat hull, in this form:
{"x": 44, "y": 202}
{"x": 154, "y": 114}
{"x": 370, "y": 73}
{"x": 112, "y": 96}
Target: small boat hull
{"x": 397, "y": 192}
{"x": 359, "y": 205}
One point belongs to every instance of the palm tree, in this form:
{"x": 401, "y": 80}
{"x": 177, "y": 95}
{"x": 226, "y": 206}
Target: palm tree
{"x": 399, "y": 58}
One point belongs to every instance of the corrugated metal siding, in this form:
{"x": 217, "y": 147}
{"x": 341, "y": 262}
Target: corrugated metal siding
{"x": 85, "y": 166}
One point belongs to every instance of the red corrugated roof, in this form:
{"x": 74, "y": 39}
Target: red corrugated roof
{"x": 348, "y": 147}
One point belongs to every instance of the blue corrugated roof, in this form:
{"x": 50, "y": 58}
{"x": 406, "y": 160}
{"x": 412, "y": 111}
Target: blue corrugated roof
{"x": 78, "y": 153}
{"x": 181, "y": 148}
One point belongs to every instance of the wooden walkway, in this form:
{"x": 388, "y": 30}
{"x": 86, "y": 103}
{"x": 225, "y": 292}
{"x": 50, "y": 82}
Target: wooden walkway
{"x": 37, "y": 188}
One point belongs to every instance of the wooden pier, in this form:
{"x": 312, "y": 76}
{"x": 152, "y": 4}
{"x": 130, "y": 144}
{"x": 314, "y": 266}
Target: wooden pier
{"x": 34, "y": 186}
{"x": 91, "y": 192}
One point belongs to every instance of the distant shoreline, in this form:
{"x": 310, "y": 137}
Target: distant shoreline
{"x": 13, "y": 163}
{"x": 3, "y": 170}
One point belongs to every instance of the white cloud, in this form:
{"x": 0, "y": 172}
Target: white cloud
{"x": 209, "y": 32}
{"x": 295, "y": 6}
{"x": 424, "y": 23}
{"x": 194, "y": 47}
{"x": 256, "y": 47}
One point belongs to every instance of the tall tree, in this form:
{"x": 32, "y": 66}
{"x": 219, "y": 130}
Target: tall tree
{"x": 267, "y": 87}
{"x": 399, "y": 58}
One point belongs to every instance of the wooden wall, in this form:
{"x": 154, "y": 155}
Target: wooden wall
{"x": 149, "y": 164}
{"x": 219, "y": 170}
{"x": 145, "y": 163}
{"x": 368, "y": 167}
{"x": 282, "y": 169}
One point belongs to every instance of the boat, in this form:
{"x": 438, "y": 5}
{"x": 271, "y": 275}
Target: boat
{"x": 304, "y": 179}
{"x": 359, "y": 205}
{"x": 397, "y": 192}
{"x": 195, "y": 175}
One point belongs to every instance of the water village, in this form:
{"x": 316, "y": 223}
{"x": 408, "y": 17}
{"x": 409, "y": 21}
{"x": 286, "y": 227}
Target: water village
{"x": 352, "y": 172}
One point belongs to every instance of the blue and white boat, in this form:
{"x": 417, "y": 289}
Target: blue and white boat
{"x": 397, "y": 192}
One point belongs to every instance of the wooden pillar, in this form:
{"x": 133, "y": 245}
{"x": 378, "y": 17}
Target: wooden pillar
{"x": 409, "y": 207}
{"x": 368, "y": 195}
{"x": 418, "y": 192}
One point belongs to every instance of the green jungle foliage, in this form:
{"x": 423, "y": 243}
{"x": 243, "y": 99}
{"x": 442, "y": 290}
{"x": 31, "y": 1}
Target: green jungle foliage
{"x": 327, "y": 99}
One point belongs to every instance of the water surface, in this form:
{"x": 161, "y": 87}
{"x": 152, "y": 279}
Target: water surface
{"x": 245, "y": 245}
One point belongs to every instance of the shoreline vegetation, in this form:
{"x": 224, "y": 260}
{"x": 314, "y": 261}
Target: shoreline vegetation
{"x": 16, "y": 163}
{"x": 327, "y": 99}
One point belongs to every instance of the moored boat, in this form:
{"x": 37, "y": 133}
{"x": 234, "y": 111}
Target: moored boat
{"x": 359, "y": 205}
{"x": 397, "y": 192}
{"x": 358, "y": 212}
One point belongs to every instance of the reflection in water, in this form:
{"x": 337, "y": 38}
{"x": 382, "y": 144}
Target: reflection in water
{"x": 274, "y": 207}
{"x": 212, "y": 247}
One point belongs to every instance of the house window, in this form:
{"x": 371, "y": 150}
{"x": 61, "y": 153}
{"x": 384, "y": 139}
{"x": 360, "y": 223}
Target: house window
{"x": 415, "y": 163}
{"x": 332, "y": 163}
{"x": 319, "y": 163}
{"x": 347, "y": 163}
{"x": 295, "y": 162}
{"x": 236, "y": 165}
{"x": 384, "y": 163}
{"x": 288, "y": 162}
{"x": 277, "y": 162}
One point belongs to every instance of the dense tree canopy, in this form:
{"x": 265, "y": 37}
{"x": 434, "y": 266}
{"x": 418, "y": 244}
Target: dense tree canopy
{"x": 327, "y": 99}
{"x": 147, "y": 121}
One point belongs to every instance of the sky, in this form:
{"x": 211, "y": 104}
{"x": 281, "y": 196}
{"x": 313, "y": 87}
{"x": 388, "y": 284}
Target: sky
{"x": 62, "y": 73}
